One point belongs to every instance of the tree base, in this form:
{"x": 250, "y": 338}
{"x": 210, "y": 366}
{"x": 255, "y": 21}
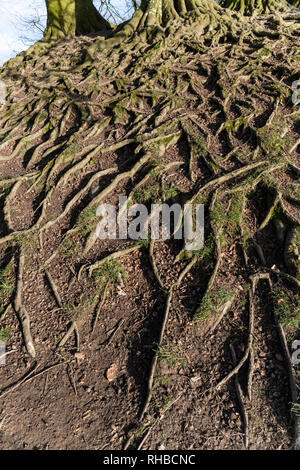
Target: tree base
{"x": 254, "y": 7}
{"x": 184, "y": 121}
{"x": 152, "y": 22}
{"x": 69, "y": 18}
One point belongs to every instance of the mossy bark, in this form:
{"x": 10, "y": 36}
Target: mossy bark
{"x": 160, "y": 12}
{"x": 155, "y": 15}
{"x": 251, "y": 7}
{"x": 73, "y": 17}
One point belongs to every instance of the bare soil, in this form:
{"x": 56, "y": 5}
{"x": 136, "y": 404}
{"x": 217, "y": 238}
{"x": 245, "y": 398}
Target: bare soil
{"x": 91, "y": 392}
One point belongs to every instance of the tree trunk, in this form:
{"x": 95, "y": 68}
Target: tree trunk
{"x": 160, "y": 12}
{"x": 154, "y": 15}
{"x": 250, "y": 7}
{"x": 73, "y": 17}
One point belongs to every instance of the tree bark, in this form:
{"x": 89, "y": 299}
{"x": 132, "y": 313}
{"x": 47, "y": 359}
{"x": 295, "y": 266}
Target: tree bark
{"x": 160, "y": 12}
{"x": 154, "y": 15}
{"x": 73, "y": 17}
{"x": 251, "y": 7}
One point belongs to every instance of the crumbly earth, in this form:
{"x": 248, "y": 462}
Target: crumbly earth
{"x": 119, "y": 344}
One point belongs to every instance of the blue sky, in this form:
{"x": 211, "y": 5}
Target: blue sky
{"x": 12, "y": 27}
{"x": 15, "y": 35}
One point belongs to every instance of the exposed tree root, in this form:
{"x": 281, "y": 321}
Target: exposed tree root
{"x": 293, "y": 384}
{"x": 67, "y": 18}
{"x": 21, "y": 311}
{"x": 67, "y": 336}
{"x": 197, "y": 110}
{"x": 110, "y": 257}
{"x": 150, "y": 429}
{"x": 29, "y": 377}
{"x": 291, "y": 251}
{"x": 100, "y": 307}
{"x": 250, "y": 373}
{"x": 249, "y": 345}
{"x": 250, "y": 7}
{"x": 240, "y": 398}
{"x": 155, "y": 358}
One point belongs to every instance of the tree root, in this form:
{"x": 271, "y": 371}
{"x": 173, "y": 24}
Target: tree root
{"x": 53, "y": 288}
{"x": 67, "y": 336}
{"x": 250, "y": 338}
{"x": 114, "y": 255}
{"x": 134, "y": 106}
{"x": 160, "y": 418}
{"x": 155, "y": 358}
{"x": 291, "y": 251}
{"x": 240, "y": 397}
{"x": 75, "y": 199}
{"x": 99, "y": 308}
{"x": 293, "y": 383}
{"x": 153, "y": 264}
{"x": 21, "y": 311}
{"x": 225, "y": 309}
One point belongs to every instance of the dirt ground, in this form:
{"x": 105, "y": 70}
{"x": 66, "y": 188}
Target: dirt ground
{"x": 91, "y": 390}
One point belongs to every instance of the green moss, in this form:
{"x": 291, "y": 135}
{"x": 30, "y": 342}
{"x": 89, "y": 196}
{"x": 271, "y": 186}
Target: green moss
{"x": 86, "y": 221}
{"x": 218, "y": 214}
{"x": 108, "y": 274}
{"x": 171, "y": 355}
{"x": 287, "y": 308}
{"x": 238, "y": 124}
{"x": 69, "y": 248}
{"x": 5, "y": 334}
{"x": 164, "y": 380}
{"x": 6, "y": 284}
{"x": 250, "y": 7}
{"x": 274, "y": 146}
{"x": 283, "y": 92}
{"x": 234, "y": 217}
{"x": 121, "y": 114}
{"x": 150, "y": 193}
{"x": 212, "y": 302}
{"x": 208, "y": 250}
{"x": 200, "y": 148}
{"x": 5, "y": 191}
{"x": 170, "y": 193}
